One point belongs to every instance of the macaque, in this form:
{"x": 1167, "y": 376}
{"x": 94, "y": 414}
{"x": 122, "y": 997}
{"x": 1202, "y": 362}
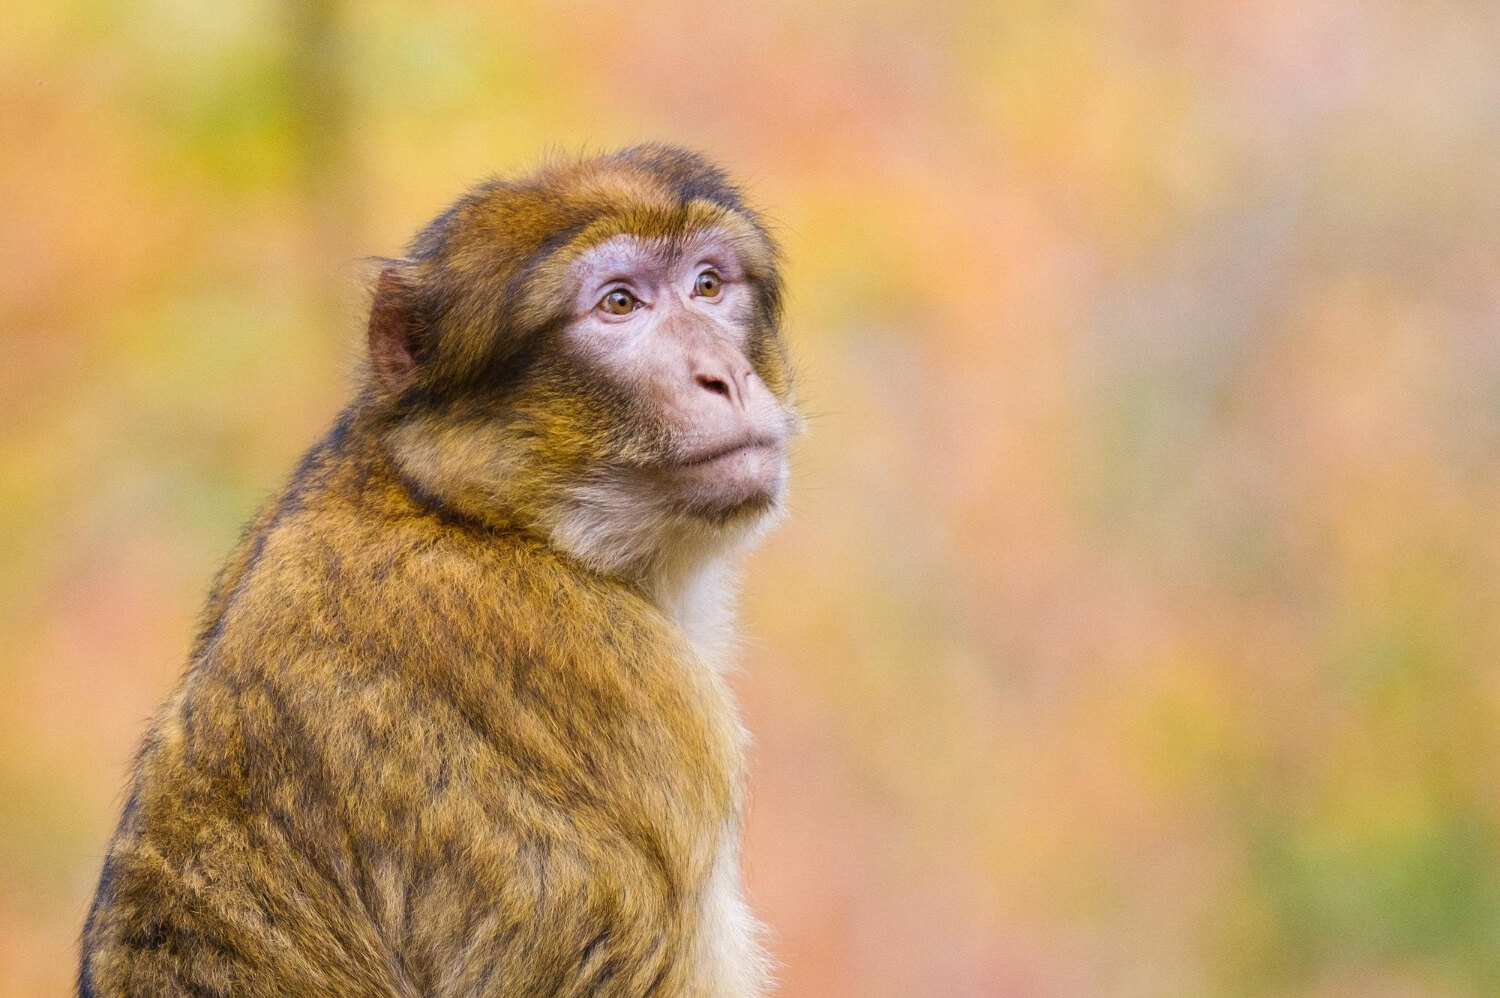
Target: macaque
{"x": 455, "y": 724}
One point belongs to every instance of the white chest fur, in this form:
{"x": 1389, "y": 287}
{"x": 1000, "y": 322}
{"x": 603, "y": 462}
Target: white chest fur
{"x": 730, "y": 954}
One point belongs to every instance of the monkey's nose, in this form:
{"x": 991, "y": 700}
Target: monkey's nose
{"x": 720, "y": 380}
{"x": 715, "y": 384}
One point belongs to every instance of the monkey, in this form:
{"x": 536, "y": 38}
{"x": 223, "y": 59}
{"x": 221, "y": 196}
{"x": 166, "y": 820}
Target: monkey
{"x": 455, "y": 722}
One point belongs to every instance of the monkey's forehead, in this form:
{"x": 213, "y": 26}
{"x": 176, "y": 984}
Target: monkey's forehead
{"x": 670, "y": 226}
{"x": 628, "y": 252}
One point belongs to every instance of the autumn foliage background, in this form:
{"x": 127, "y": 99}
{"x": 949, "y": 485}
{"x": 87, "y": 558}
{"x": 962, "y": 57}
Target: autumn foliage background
{"x": 1135, "y": 629}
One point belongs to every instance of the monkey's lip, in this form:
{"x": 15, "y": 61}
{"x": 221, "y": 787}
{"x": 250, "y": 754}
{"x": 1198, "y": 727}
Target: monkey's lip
{"x": 709, "y": 456}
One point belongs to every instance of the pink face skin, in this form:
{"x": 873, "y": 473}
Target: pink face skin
{"x": 670, "y": 326}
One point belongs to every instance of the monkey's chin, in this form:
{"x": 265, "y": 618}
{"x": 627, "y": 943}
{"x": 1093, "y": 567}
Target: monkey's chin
{"x": 634, "y": 520}
{"x": 740, "y": 484}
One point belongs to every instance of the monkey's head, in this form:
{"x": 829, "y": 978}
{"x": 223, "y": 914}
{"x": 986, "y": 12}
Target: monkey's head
{"x": 591, "y": 352}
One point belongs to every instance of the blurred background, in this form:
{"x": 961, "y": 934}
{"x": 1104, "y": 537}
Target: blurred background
{"x": 1135, "y": 631}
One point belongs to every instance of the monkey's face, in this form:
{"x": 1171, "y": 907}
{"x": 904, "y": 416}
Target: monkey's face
{"x": 592, "y": 352}
{"x": 659, "y": 405}
{"x": 661, "y": 337}
{"x": 646, "y": 420}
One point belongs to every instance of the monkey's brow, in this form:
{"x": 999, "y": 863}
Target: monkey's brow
{"x": 627, "y": 251}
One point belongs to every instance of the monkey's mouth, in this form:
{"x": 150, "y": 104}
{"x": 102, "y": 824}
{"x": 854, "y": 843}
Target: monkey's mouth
{"x": 702, "y": 458}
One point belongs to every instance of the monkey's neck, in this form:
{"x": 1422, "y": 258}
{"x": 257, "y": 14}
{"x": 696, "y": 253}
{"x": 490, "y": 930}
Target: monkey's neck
{"x": 687, "y": 567}
{"x": 701, "y": 599}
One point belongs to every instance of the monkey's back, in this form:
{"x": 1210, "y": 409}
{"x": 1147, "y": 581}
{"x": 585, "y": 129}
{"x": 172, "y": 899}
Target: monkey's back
{"x": 413, "y": 756}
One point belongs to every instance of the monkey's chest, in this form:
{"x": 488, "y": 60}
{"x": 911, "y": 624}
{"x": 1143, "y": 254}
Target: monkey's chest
{"x": 595, "y": 836}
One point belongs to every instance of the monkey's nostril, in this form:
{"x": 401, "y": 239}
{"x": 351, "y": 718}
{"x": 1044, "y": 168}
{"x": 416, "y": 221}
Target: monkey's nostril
{"x": 716, "y": 385}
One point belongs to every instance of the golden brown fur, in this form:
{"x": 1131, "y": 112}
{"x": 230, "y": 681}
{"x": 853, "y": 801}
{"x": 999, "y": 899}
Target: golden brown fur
{"x": 422, "y": 748}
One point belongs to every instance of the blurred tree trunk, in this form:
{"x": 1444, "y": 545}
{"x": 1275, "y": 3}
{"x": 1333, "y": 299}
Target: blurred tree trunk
{"x": 318, "y": 92}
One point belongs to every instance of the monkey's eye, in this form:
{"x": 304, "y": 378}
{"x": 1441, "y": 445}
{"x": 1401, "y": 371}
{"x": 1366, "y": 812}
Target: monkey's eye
{"x": 709, "y": 284}
{"x": 619, "y": 302}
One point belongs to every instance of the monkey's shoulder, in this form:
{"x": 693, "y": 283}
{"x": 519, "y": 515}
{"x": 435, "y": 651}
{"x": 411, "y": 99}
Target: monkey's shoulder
{"x": 369, "y": 633}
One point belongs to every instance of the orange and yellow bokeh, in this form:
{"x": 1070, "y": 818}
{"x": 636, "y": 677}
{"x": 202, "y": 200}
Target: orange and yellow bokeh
{"x": 1136, "y": 629}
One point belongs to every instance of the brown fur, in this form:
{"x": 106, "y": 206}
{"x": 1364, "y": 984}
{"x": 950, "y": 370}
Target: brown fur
{"x": 419, "y": 750}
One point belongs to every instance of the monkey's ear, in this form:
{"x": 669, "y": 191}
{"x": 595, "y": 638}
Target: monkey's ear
{"x": 395, "y": 330}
